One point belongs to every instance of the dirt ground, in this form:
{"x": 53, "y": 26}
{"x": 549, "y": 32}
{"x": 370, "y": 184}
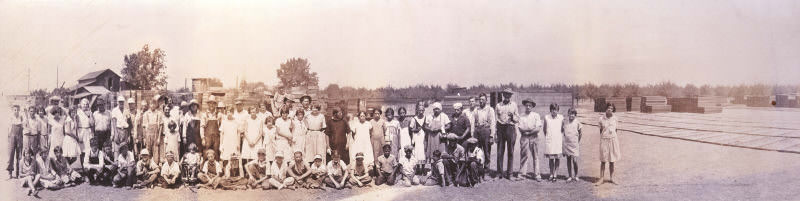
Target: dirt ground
{"x": 652, "y": 168}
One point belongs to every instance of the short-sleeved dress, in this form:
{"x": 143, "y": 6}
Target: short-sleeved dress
{"x": 553, "y": 139}
{"x": 316, "y": 140}
{"x": 361, "y": 142}
{"x": 281, "y": 143}
{"x": 609, "y": 145}
{"x": 253, "y": 131}
{"x": 571, "y": 144}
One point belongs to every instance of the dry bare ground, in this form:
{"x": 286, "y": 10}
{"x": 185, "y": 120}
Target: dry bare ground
{"x": 652, "y": 168}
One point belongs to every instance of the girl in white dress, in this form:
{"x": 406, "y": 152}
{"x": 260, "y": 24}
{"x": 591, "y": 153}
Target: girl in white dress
{"x": 299, "y": 131}
{"x": 229, "y": 137}
{"x": 361, "y": 139}
{"x": 56, "y": 131}
{"x": 253, "y": 138}
{"x": 71, "y": 144}
{"x": 316, "y": 140}
{"x": 172, "y": 137}
{"x": 553, "y": 139}
{"x": 392, "y": 132}
{"x": 572, "y": 138}
{"x": 85, "y": 124}
{"x": 609, "y": 145}
{"x": 405, "y": 125}
{"x": 418, "y": 136}
{"x": 284, "y": 130}
{"x": 270, "y": 132}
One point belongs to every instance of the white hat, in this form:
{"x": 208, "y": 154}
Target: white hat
{"x": 360, "y": 155}
{"x": 144, "y": 152}
{"x": 317, "y": 157}
{"x": 130, "y": 100}
{"x": 220, "y": 104}
{"x": 55, "y": 98}
{"x": 184, "y": 104}
{"x": 437, "y": 105}
{"x": 279, "y": 154}
{"x": 121, "y": 99}
{"x": 193, "y": 101}
{"x": 457, "y": 105}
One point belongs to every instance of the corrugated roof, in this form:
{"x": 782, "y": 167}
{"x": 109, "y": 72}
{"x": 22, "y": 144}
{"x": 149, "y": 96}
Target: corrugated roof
{"x": 97, "y": 90}
{"x": 94, "y": 74}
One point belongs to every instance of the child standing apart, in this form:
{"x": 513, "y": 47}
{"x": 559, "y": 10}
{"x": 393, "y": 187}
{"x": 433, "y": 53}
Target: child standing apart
{"x": 572, "y": 139}
{"x": 553, "y": 137}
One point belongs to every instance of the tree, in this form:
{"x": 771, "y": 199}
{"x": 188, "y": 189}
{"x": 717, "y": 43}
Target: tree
{"x": 145, "y": 69}
{"x": 297, "y": 72}
{"x": 690, "y": 91}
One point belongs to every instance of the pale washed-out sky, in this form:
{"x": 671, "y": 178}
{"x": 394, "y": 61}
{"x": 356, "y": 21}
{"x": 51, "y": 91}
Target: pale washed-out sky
{"x": 399, "y": 43}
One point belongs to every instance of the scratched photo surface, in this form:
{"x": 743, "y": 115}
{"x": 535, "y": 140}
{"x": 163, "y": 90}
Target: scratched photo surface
{"x": 400, "y": 100}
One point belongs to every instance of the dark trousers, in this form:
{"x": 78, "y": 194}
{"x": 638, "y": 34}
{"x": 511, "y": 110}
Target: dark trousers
{"x": 387, "y": 178}
{"x": 212, "y": 143}
{"x": 506, "y": 136}
{"x": 482, "y": 134}
{"x": 102, "y": 137}
{"x": 14, "y": 148}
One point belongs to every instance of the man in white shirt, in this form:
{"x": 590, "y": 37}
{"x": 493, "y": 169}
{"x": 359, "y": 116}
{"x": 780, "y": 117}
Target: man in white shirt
{"x": 120, "y": 128}
{"x": 484, "y": 126}
{"x": 170, "y": 172}
{"x": 507, "y": 118}
{"x": 530, "y": 124}
{"x": 102, "y": 122}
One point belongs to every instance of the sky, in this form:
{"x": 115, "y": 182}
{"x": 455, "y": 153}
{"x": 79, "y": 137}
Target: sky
{"x": 377, "y": 43}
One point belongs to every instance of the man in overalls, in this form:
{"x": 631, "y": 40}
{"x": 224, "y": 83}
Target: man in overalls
{"x": 210, "y": 126}
{"x": 14, "y": 141}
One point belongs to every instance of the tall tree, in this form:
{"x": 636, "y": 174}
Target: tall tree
{"x": 145, "y": 69}
{"x": 297, "y": 72}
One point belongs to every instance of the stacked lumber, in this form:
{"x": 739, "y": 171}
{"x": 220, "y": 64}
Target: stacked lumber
{"x": 758, "y": 101}
{"x": 635, "y": 104}
{"x": 655, "y": 104}
{"x": 683, "y": 104}
{"x": 619, "y": 103}
{"x": 711, "y": 104}
{"x": 786, "y": 100}
{"x": 544, "y": 99}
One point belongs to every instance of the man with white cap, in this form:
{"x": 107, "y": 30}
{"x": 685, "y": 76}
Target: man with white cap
{"x": 360, "y": 172}
{"x": 257, "y": 171}
{"x": 120, "y": 124}
{"x": 318, "y": 172}
{"x": 460, "y": 124}
{"x": 278, "y": 170}
{"x": 437, "y": 125}
{"x": 170, "y": 172}
{"x": 453, "y": 156}
{"x": 475, "y": 159}
{"x": 507, "y": 118}
{"x": 146, "y": 170}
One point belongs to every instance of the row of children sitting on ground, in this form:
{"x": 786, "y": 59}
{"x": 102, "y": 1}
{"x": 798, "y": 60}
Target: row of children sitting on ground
{"x": 456, "y": 166}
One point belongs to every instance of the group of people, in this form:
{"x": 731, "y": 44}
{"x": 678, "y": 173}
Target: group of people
{"x": 146, "y": 145}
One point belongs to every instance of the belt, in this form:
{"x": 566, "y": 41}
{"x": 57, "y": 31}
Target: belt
{"x": 314, "y": 130}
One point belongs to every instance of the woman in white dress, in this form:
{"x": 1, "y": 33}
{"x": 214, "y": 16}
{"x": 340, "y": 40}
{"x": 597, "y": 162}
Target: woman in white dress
{"x": 71, "y": 145}
{"x": 85, "y": 125}
{"x": 284, "y": 130}
{"x": 230, "y": 141}
{"x": 609, "y": 145}
{"x": 405, "y": 125}
{"x": 553, "y": 139}
{"x": 270, "y": 132}
{"x": 316, "y": 140}
{"x": 392, "y": 132}
{"x": 299, "y": 131}
{"x": 56, "y": 131}
{"x": 253, "y": 138}
{"x": 418, "y": 135}
{"x": 172, "y": 137}
{"x": 361, "y": 139}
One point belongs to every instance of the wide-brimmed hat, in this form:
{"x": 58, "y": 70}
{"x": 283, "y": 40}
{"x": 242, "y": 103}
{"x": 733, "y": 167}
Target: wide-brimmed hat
{"x": 528, "y": 101}
{"x": 144, "y": 152}
{"x": 131, "y": 100}
{"x": 55, "y": 98}
{"x": 220, "y": 104}
{"x": 193, "y": 102}
{"x": 121, "y": 99}
{"x": 211, "y": 99}
{"x": 508, "y": 91}
{"x": 451, "y": 136}
{"x": 305, "y": 97}
{"x": 317, "y": 157}
{"x": 472, "y": 140}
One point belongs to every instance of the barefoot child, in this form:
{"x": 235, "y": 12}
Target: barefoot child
{"x": 553, "y": 137}
{"x": 29, "y": 172}
{"x": 572, "y": 138}
{"x": 609, "y": 145}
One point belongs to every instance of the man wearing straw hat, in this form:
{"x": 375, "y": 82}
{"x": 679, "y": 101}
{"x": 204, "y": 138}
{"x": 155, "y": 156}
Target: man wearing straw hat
{"x": 507, "y": 118}
{"x": 120, "y": 120}
{"x": 210, "y": 122}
